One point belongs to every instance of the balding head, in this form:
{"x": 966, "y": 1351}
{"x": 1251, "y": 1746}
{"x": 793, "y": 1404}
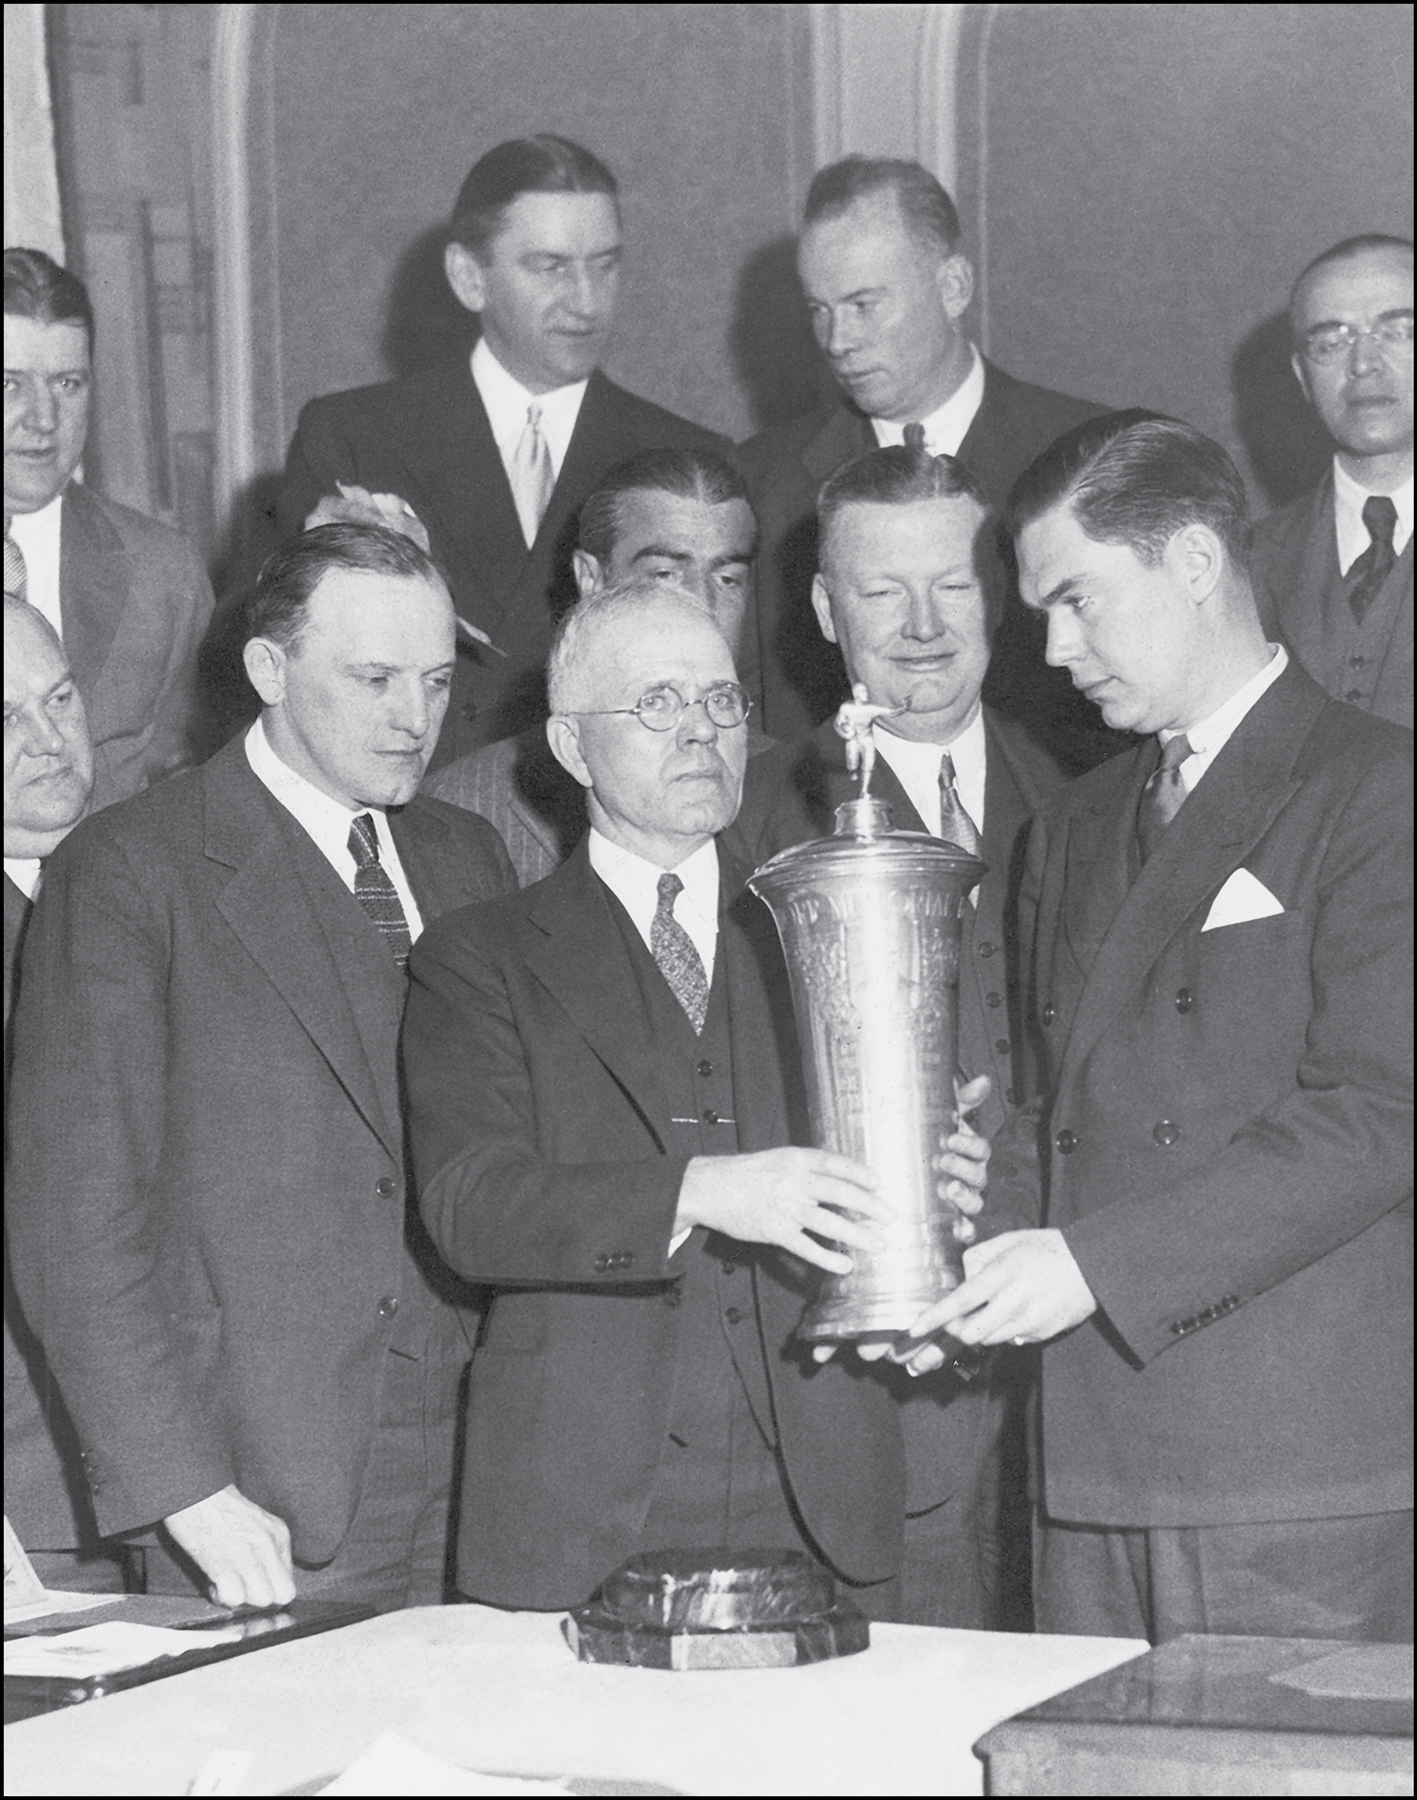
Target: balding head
{"x": 48, "y": 757}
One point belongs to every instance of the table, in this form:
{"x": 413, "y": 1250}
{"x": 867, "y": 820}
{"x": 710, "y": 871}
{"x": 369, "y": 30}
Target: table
{"x": 1222, "y": 1716}
{"x": 501, "y": 1691}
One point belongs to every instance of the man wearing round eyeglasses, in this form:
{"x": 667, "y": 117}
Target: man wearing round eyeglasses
{"x": 1333, "y": 571}
{"x": 604, "y": 1128}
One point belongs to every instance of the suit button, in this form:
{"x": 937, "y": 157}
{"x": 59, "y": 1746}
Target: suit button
{"x": 1067, "y": 1142}
{"x": 625, "y": 1259}
{"x": 1166, "y": 1133}
{"x": 1356, "y": 662}
{"x": 993, "y": 999}
{"x": 1353, "y": 695}
{"x": 387, "y": 1307}
{"x": 705, "y": 1067}
{"x": 1010, "y": 1096}
{"x": 1185, "y": 1000}
{"x": 386, "y": 1187}
{"x": 987, "y": 949}
{"x": 602, "y": 1263}
{"x": 710, "y": 1116}
{"x": 734, "y": 1315}
{"x": 1002, "y": 1046}
{"x": 1050, "y": 1012}
{"x": 674, "y": 1297}
{"x": 728, "y": 1266}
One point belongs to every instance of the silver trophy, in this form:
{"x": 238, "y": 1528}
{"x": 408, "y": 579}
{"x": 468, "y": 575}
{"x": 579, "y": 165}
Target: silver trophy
{"x": 870, "y": 921}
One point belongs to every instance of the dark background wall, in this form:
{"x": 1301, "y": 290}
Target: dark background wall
{"x": 1155, "y": 177}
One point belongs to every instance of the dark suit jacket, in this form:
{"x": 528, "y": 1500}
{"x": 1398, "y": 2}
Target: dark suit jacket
{"x": 789, "y": 665}
{"x": 426, "y": 437}
{"x": 135, "y": 603}
{"x": 1303, "y": 598}
{"x": 207, "y": 1148}
{"x": 1230, "y": 1131}
{"x": 539, "y": 1123}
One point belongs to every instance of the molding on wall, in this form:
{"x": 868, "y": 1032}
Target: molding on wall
{"x": 829, "y": 78}
{"x": 235, "y": 446}
{"x": 33, "y": 216}
{"x": 937, "y": 121}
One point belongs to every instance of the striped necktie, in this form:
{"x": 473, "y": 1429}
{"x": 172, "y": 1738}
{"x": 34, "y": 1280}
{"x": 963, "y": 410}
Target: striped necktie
{"x": 915, "y": 435}
{"x": 374, "y": 890}
{"x": 956, "y": 826}
{"x": 679, "y": 962}
{"x": 16, "y": 577}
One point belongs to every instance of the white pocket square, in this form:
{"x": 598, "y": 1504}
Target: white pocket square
{"x": 1243, "y": 898}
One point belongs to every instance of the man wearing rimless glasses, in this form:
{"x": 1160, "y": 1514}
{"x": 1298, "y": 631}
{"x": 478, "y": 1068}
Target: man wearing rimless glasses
{"x": 606, "y": 1119}
{"x": 1333, "y": 571}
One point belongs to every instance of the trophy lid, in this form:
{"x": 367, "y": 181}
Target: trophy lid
{"x": 865, "y": 839}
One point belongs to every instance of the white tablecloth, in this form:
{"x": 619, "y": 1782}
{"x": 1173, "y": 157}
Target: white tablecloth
{"x": 501, "y": 1691}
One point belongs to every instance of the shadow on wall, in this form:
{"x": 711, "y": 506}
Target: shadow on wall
{"x": 1288, "y": 449}
{"x": 775, "y": 356}
{"x": 423, "y": 322}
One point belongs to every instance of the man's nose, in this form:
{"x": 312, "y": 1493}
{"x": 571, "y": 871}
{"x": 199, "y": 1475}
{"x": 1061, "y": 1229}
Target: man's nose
{"x": 41, "y": 408}
{"x": 586, "y": 292}
{"x": 695, "y": 726}
{"x": 1366, "y": 354}
{"x": 1063, "y": 640}
{"x": 42, "y": 737}
{"x": 922, "y": 622}
{"x": 840, "y": 336}
{"x": 411, "y": 711}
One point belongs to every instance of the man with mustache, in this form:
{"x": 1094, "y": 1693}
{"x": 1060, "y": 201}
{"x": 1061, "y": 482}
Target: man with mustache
{"x": 1333, "y": 571}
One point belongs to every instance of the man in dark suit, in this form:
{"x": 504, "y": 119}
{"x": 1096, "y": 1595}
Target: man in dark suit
{"x": 602, "y": 1118}
{"x": 495, "y": 457}
{"x": 128, "y": 596}
{"x": 1333, "y": 571}
{"x": 48, "y": 780}
{"x": 909, "y": 589}
{"x": 888, "y": 288}
{"x": 208, "y": 1214}
{"x": 1223, "y": 964}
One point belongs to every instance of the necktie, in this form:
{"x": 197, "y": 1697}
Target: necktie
{"x": 532, "y": 475}
{"x": 1163, "y": 796}
{"x": 679, "y": 962}
{"x": 956, "y": 826}
{"x": 1366, "y": 577}
{"x": 914, "y": 436}
{"x": 16, "y": 580}
{"x": 375, "y": 892}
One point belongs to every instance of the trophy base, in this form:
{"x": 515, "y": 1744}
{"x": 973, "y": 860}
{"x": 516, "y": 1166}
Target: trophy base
{"x": 884, "y": 1316}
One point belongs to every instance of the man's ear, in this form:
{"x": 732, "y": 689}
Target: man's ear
{"x": 822, "y": 606}
{"x": 564, "y": 736}
{"x": 465, "y": 277}
{"x": 955, "y": 280}
{"x": 1301, "y": 375}
{"x": 590, "y": 577}
{"x": 1198, "y": 557}
{"x": 266, "y": 662}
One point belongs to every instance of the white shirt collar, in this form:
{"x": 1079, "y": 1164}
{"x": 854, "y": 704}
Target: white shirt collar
{"x": 634, "y": 881}
{"x": 506, "y": 401}
{"x": 24, "y": 872}
{"x": 37, "y": 534}
{"x": 1210, "y": 737}
{"x": 326, "y": 821}
{"x": 1349, "y": 498}
{"x": 917, "y": 768}
{"x": 946, "y": 427}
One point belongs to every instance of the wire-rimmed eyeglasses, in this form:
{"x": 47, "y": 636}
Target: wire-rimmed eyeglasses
{"x": 661, "y": 708}
{"x": 1327, "y": 343}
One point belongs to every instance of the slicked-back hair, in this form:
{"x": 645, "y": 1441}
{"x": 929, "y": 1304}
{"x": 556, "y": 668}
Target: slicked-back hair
{"x": 573, "y": 642}
{"x": 543, "y": 164}
{"x": 930, "y": 214}
{"x": 687, "y": 474}
{"x": 276, "y": 607}
{"x": 37, "y": 288}
{"x": 1345, "y": 251}
{"x": 16, "y": 608}
{"x": 1136, "y": 478}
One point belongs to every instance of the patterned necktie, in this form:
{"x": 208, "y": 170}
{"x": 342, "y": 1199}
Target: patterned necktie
{"x": 956, "y": 826}
{"x": 16, "y": 580}
{"x": 679, "y": 962}
{"x": 914, "y": 436}
{"x": 1371, "y": 570}
{"x": 533, "y": 478}
{"x": 375, "y": 892}
{"x": 1163, "y": 796}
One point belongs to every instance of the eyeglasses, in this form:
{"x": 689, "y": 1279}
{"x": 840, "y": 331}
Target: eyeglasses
{"x": 662, "y": 707}
{"x": 1327, "y": 343}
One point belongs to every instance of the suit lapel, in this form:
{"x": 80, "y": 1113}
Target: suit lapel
{"x": 422, "y": 838}
{"x": 1245, "y": 788}
{"x": 309, "y": 959}
{"x": 846, "y": 435}
{"x": 94, "y": 581}
{"x": 574, "y": 950}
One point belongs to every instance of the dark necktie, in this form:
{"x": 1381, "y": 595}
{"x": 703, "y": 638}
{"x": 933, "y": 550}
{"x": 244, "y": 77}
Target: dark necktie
{"x": 16, "y": 579}
{"x": 679, "y": 962}
{"x": 1366, "y": 577}
{"x": 914, "y": 436}
{"x": 956, "y": 826}
{"x": 1163, "y": 796}
{"x": 375, "y": 892}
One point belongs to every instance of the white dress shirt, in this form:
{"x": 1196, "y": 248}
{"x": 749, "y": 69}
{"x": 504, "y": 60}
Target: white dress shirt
{"x": 917, "y": 768}
{"x": 1211, "y": 736}
{"x": 507, "y": 401}
{"x": 326, "y": 822}
{"x": 635, "y": 884}
{"x": 1349, "y": 499}
{"x": 945, "y": 428}
{"x": 37, "y": 535}
{"x": 24, "y": 872}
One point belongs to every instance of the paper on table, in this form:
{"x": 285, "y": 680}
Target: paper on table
{"x": 1364, "y": 1672}
{"x": 95, "y": 1650}
{"x": 26, "y": 1596}
{"x": 392, "y": 1765}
